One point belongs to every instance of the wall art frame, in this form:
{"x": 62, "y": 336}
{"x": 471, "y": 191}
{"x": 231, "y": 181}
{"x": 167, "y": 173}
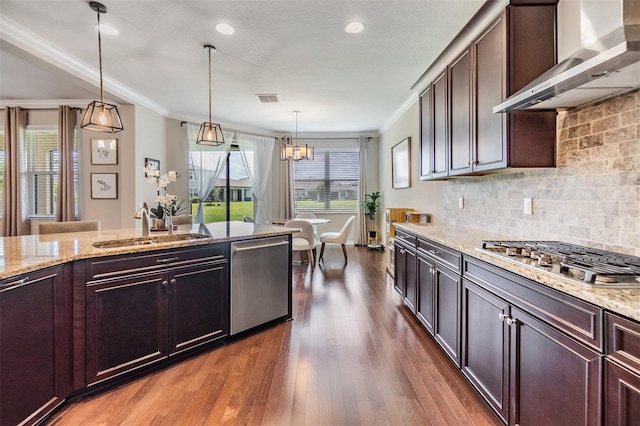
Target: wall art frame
{"x": 401, "y": 164}
{"x": 104, "y": 151}
{"x": 104, "y": 186}
{"x": 151, "y": 162}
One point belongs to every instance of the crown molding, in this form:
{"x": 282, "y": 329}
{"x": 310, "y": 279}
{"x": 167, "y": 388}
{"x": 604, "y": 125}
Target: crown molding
{"x": 17, "y": 35}
{"x": 399, "y": 112}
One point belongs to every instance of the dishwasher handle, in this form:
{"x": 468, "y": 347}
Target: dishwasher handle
{"x": 259, "y": 246}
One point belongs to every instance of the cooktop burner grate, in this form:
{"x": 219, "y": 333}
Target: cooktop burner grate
{"x": 579, "y": 262}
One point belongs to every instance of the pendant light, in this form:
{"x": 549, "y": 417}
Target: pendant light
{"x": 210, "y": 134}
{"x": 304, "y": 151}
{"x": 286, "y": 151}
{"x": 100, "y": 116}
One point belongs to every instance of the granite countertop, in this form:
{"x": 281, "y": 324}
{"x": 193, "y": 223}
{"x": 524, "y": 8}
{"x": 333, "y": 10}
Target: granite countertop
{"x": 32, "y": 252}
{"x": 467, "y": 240}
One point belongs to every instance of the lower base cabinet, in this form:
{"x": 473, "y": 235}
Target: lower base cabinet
{"x": 141, "y": 317}
{"x": 448, "y": 296}
{"x": 622, "y": 401}
{"x": 35, "y": 345}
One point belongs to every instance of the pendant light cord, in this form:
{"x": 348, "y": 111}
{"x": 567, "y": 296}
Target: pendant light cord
{"x": 100, "y": 57}
{"x": 209, "y": 47}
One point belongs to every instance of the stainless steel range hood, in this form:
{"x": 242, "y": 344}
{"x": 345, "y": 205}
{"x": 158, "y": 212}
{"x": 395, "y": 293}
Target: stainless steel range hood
{"x": 607, "y": 64}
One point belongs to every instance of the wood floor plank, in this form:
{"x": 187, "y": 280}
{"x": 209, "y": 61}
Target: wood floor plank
{"x": 353, "y": 355}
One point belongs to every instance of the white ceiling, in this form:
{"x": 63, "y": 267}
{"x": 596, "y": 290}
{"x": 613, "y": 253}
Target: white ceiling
{"x": 297, "y": 49}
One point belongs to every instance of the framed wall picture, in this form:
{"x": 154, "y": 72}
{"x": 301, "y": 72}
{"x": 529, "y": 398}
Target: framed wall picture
{"x": 151, "y": 162}
{"x": 401, "y": 164}
{"x": 104, "y": 151}
{"x": 104, "y": 186}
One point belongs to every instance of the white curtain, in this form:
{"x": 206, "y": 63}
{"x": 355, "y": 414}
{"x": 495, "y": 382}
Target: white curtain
{"x": 15, "y": 207}
{"x": 207, "y": 163}
{"x": 360, "y": 237}
{"x": 257, "y": 156}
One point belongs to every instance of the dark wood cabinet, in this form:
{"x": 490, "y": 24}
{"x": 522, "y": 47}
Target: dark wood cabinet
{"x": 447, "y": 286}
{"x": 460, "y": 101}
{"x": 406, "y": 280}
{"x": 426, "y": 134}
{"x": 164, "y": 304}
{"x": 514, "y": 50}
{"x": 459, "y": 130}
{"x": 36, "y": 373}
{"x": 426, "y": 290}
{"x": 622, "y": 371}
{"x": 440, "y": 138}
{"x": 554, "y": 379}
{"x": 485, "y": 345}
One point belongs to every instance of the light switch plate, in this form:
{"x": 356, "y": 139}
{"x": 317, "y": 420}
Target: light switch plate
{"x": 528, "y": 206}
{"x": 461, "y": 202}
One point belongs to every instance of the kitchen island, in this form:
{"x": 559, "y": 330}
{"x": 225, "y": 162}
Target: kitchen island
{"x": 538, "y": 347}
{"x": 81, "y": 312}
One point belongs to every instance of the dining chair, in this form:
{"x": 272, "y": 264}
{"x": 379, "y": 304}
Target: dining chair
{"x": 339, "y": 237}
{"x": 69, "y": 226}
{"x": 302, "y": 240}
{"x": 305, "y": 215}
{"x": 248, "y": 219}
{"x": 186, "y": 219}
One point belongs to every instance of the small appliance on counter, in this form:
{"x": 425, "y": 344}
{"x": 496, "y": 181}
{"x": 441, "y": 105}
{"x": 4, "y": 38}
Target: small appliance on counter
{"x": 584, "y": 265}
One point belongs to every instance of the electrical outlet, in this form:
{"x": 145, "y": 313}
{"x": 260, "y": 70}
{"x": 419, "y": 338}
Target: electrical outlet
{"x": 461, "y": 202}
{"x": 528, "y": 206}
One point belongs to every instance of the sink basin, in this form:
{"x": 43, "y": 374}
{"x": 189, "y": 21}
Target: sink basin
{"x": 150, "y": 240}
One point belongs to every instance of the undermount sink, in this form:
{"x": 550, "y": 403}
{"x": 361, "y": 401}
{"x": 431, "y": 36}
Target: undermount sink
{"x": 150, "y": 240}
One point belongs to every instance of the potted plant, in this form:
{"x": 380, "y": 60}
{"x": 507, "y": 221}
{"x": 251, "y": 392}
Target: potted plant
{"x": 370, "y": 206}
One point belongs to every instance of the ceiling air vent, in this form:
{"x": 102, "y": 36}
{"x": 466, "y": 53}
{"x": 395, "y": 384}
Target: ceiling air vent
{"x": 267, "y": 99}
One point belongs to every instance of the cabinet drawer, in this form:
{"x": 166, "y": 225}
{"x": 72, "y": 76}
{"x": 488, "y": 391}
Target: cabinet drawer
{"x": 445, "y": 256}
{"x": 575, "y": 317}
{"x": 623, "y": 341}
{"x": 106, "y": 267}
{"x": 405, "y": 238}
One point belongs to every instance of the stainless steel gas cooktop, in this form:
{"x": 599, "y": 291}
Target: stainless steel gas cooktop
{"x": 585, "y": 265}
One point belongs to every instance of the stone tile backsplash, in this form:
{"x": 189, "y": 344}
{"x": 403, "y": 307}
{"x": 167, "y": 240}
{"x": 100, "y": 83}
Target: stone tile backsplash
{"x": 591, "y": 198}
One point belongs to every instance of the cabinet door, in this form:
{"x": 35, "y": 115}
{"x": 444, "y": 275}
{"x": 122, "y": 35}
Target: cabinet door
{"x": 490, "y": 75}
{"x": 198, "y": 301}
{"x": 554, "y": 379}
{"x": 447, "y": 311}
{"x": 460, "y": 114}
{"x": 440, "y": 124}
{"x": 622, "y": 395}
{"x": 485, "y": 345}
{"x": 126, "y": 324}
{"x": 426, "y": 134}
{"x": 425, "y": 306}
{"x": 400, "y": 269}
{"x": 35, "y": 345}
{"x": 411, "y": 280}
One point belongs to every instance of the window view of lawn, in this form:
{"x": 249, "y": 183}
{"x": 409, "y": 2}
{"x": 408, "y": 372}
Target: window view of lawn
{"x": 217, "y": 212}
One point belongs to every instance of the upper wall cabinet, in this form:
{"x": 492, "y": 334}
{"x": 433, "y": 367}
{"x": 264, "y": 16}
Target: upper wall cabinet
{"x": 514, "y": 49}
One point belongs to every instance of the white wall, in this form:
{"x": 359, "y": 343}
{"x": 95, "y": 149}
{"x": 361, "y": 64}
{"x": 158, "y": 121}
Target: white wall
{"x": 426, "y": 196}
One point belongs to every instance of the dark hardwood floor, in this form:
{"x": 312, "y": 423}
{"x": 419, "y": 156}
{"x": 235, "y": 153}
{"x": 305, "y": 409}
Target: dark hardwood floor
{"x": 352, "y": 355}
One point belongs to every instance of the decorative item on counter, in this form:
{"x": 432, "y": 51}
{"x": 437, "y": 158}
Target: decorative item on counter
{"x": 370, "y": 207}
{"x": 168, "y": 204}
{"x": 419, "y": 218}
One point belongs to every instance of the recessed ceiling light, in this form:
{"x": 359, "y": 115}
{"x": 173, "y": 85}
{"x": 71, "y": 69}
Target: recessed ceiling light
{"x": 107, "y": 29}
{"x": 225, "y": 29}
{"x": 354, "y": 27}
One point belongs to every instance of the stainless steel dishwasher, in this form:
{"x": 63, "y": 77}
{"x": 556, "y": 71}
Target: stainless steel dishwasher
{"x": 259, "y": 282}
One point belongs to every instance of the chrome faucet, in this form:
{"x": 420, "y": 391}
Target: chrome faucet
{"x": 143, "y": 213}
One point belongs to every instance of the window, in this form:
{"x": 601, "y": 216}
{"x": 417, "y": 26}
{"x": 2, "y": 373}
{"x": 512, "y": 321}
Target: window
{"x": 42, "y": 164}
{"x": 329, "y": 182}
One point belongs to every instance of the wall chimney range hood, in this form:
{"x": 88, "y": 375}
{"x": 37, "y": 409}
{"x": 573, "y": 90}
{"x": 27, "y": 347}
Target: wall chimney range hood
{"x": 607, "y": 64}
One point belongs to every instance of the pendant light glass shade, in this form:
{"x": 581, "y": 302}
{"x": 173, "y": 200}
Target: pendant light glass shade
{"x": 100, "y": 116}
{"x": 286, "y": 151}
{"x": 210, "y": 134}
{"x": 303, "y": 152}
